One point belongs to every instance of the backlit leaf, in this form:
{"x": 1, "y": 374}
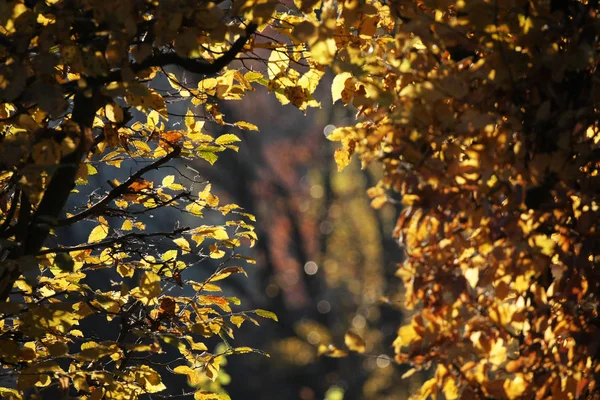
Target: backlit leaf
{"x": 354, "y": 342}
{"x": 226, "y": 139}
{"x": 98, "y": 234}
{"x": 266, "y": 314}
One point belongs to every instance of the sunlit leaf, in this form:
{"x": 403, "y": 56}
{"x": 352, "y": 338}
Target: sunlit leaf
{"x": 98, "y": 234}
{"x": 354, "y": 342}
{"x": 266, "y": 314}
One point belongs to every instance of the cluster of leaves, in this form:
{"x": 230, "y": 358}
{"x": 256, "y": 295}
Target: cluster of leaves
{"x": 484, "y": 116}
{"x": 482, "y": 113}
{"x": 79, "y": 96}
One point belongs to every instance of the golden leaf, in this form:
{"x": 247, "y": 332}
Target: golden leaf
{"x": 113, "y": 112}
{"x": 211, "y": 396}
{"x": 354, "y": 342}
{"x": 226, "y": 139}
{"x": 342, "y": 158}
{"x": 266, "y": 314}
{"x": 515, "y": 387}
{"x": 339, "y": 84}
{"x": 98, "y": 234}
{"x": 246, "y": 125}
{"x": 331, "y": 351}
{"x": 150, "y": 286}
{"x": 237, "y": 320}
{"x": 183, "y": 244}
{"x": 278, "y": 63}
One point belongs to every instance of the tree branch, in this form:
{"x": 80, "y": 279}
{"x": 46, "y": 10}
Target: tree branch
{"x": 119, "y": 190}
{"x": 110, "y": 242}
{"x": 196, "y": 66}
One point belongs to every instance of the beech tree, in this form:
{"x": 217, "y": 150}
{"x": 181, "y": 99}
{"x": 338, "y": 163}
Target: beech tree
{"x": 483, "y": 116}
{"x": 79, "y": 91}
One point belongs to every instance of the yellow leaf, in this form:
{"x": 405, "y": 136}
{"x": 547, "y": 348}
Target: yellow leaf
{"x": 194, "y": 209}
{"x": 150, "y": 285}
{"x": 225, "y": 272}
{"x": 354, "y": 342}
{"x": 278, "y": 63}
{"x": 543, "y": 242}
{"x": 323, "y": 50}
{"x": 211, "y": 396}
{"x": 208, "y": 156}
{"x": 211, "y": 369}
{"x": 149, "y": 379}
{"x": 125, "y": 270}
{"x": 168, "y": 180}
{"x": 406, "y": 335}
{"x": 331, "y": 351}
{"x": 182, "y": 243}
{"x": 7, "y": 393}
{"x": 498, "y": 352}
{"x": 237, "y": 320}
{"x": 215, "y": 252}
{"x": 246, "y": 125}
{"x": 515, "y": 387}
{"x": 450, "y": 389}
{"x": 207, "y": 329}
{"x": 127, "y": 225}
{"x": 338, "y": 85}
{"x": 472, "y": 276}
{"x": 169, "y": 255}
{"x": 342, "y": 158}
{"x": 183, "y": 370}
{"x": 409, "y": 373}
{"x": 266, "y": 314}
{"x": 227, "y": 208}
{"x": 226, "y": 139}
{"x": 98, "y": 233}
{"x": 427, "y": 389}
{"x": 114, "y": 112}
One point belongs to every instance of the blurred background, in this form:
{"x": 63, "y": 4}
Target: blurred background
{"x": 325, "y": 259}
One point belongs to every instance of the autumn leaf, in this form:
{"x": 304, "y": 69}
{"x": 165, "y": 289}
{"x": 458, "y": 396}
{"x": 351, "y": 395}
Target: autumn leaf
{"x": 246, "y": 126}
{"x": 331, "y": 351}
{"x": 149, "y": 286}
{"x": 226, "y": 139}
{"x": 210, "y": 396}
{"x": 266, "y": 314}
{"x": 226, "y": 272}
{"x": 354, "y": 342}
{"x": 98, "y": 234}
{"x": 339, "y": 84}
{"x": 114, "y": 112}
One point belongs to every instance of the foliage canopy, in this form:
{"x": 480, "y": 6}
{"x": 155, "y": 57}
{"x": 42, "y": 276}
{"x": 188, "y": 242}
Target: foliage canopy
{"x": 483, "y": 115}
